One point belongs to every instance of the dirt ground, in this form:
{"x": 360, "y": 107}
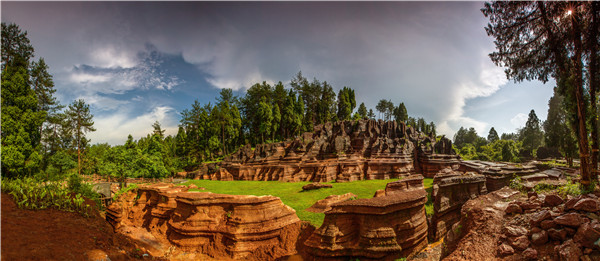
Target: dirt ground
{"x": 58, "y": 235}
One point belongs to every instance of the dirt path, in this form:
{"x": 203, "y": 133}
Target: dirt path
{"x": 57, "y": 235}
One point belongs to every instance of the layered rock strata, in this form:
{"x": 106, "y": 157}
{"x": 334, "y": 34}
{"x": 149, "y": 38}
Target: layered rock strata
{"x": 499, "y": 175}
{"x": 386, "y": 227}
{"x": 451, "y": 190}
{"x": 340, "y": 151}
{"x": 220, "y": 226}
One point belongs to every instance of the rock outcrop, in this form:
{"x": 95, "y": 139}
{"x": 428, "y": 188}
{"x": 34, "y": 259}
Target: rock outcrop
{"x": 325, "y": 204}
{"x": 451, "y": 189}
{"x": 340, "y": 151}
{"x": 499, "y": 175}
{"x": 384, "y": 227}
{"x": 220, "y": 226}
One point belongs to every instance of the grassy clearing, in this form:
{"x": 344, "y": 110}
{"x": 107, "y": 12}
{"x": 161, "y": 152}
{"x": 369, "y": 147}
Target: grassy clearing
{"x": 291, "y": 192}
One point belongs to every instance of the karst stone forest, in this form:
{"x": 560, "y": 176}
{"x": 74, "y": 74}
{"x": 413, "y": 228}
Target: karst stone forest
{"x": 298, "y": 169}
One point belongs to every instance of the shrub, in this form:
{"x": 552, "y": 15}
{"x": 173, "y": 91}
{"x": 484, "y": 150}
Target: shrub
{"x": 31, "y": 193}
{"x": 570, "y": 188}
{"x": 124, "y": 190}
{"x": 516, "y": 183}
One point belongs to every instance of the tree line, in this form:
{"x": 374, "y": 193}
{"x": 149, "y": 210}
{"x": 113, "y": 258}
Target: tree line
{"x": 539, "y": 40}
{"x": 551, "y": 138}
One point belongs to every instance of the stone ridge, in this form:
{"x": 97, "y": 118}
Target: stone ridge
{"x": 216, "y": 225}
{"x": 383, "y": 228}
{"x": 340, "y": 151}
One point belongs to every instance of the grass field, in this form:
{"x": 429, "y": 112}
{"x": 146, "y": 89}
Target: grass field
{"x": 292, "y": 195}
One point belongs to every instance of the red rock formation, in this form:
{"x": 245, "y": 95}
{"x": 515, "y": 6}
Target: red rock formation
{"x": 384, "y": 227}
{"x": 451, "y": 190}
{"x": 497, "y": 174}
{"x": 220, "y": 226}
{"x": 325, "y": 204}
{"x": 341, "y": 151}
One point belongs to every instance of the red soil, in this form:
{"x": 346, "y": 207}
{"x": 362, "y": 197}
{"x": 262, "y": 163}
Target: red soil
{"x": 58, "y": 235}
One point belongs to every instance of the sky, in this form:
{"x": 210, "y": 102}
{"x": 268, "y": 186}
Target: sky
{"x": 140, "y": 62}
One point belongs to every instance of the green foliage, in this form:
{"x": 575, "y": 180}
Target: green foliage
{"x": 31, "y": 193}
{"x": 531, "y": 135}
{"x": 362, "y": 111}
{"x": 492, "y": 135}
{"x": 570, "y": 188}
{"x": 124, "y": 190}
{"x": 516, "y": 183}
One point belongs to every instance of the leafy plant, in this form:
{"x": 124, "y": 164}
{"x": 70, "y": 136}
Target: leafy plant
{"x": 31, "y": 193}
{"x": 516, "y": 183}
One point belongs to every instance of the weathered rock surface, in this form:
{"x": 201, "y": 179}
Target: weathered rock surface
{"x": 220, "y": 226}
{"x": 316, "y": 185}
{"x": 384, "y": 227}
{"x": 340, "y": 151}
{"x": 451, "y": 190}
{"x": 325, "y": 204}
{"x": 499, "y": 175}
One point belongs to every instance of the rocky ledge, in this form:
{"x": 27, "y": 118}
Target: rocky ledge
{"x": 386, "y": 227}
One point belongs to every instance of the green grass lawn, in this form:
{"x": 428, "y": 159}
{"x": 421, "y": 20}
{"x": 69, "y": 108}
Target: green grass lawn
{"x": 291, "y": 192}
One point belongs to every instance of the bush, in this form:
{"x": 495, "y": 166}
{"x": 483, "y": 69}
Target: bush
{"x": 31, "y": 193}
{"x": 124, "y": 190}
{"x": 570, "y": 188}
{"x": 516, "y": 183}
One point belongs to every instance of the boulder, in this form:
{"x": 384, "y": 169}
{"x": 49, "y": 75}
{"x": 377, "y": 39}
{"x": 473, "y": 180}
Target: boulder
{"x": 315, "y": 185}
{"x": 587, "y": 204}
{"x": 569, "y": 251}
{"x": 539, "y": 238}
{"x": 530, "y": 254}
{"x": 538, "y": 217}
{"x": 557, "y": 234}
{"x": 569, "y": 219}
{"x": 547, "y": 224}
{"x": 552, "y": 200}
{"x": 505, "y": 250}
{"x": 513, "y": 208}
{"x": 515, "y": 231}
{"x": 520, "y": 243}
{"x": 587, "y": 234}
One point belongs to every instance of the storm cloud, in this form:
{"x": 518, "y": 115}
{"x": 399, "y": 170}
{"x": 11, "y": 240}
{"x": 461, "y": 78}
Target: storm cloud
{"x": 137, "y": 62}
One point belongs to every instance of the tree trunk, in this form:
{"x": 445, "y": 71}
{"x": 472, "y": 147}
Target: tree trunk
{"x": 593, "y": 83}
{"x": 578, "y": 89}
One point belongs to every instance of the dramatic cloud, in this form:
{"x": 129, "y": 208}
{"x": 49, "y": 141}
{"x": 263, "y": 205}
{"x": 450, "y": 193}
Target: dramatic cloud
{"x": 126, "y": 57}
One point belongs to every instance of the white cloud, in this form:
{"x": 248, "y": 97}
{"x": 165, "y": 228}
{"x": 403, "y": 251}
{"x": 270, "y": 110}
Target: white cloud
{"x": 519, "y": 120}
{"x": 110, "y": 57}
{"x": 115, "y": 127}
{"x": 86, "y": 78}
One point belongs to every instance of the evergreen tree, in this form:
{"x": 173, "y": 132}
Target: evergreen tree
{"x": 80, "y": 120}
{"x": 400, "y": 113}
{"x": 346, "y": 103}
{"x": 492, "y": 135}
{"x": 21, "y": 116}
{"x": 371, "y": 114}
{"x": 362, "y": 111}
{"x": 532, "y": 135}
{"x": 266, "y": 117}
{"x": 276, "y": 120}
{"x": 158, "y": 130}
